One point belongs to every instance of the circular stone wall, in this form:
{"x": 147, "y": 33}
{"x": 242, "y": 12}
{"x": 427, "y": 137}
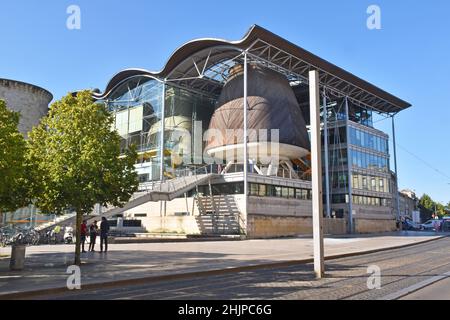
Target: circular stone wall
{"x": 31, "y": 101}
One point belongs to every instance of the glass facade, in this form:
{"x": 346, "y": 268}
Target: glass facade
{"x": 137, "y": 106}
{"x": 187, "y": 116}
{"x": 367, "y": 140}
{"x": 366, "y": 160}
{"x": 367, "y": 152}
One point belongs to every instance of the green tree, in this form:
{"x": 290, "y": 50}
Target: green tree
{"x": 426, "y": 202}
{"x": 440, "y": 209}
{"x": 13, "y": 169}
{"x": 78, "y": 161}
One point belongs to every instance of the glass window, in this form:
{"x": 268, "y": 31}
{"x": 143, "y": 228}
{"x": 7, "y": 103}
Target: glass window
{"x": 278, "y": 191}
{"x": 254, "y": 189}
{"x": 353, "y": 135}
{"x": 370, "y": 141}
{"x": 354, "y": 158}
{"x": 364, "y": 183}
{"x": 262, "y": 190}
{"x": 291, "y": 193}
{"x": 355, "y": 182}
{"x": 358, "y": 138}
{"x": 373, "y": 184}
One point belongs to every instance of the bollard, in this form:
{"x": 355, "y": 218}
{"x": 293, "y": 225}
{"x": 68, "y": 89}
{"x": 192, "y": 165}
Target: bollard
{"x": 17, "y": 258}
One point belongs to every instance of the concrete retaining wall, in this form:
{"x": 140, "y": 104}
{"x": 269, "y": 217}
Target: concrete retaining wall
{"x": 268, "y": 218}
{"x": 374, "y": 226}
{"x": 260, "y": 226}
{"x": 171, "y": 224}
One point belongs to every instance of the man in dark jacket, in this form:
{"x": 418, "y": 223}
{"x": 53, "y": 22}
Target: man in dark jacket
{"x": 104, "y": 230}
{"x": 84, "y": 231}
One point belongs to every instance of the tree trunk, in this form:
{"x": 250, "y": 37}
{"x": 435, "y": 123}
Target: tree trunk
{"x": 79, "y": 220}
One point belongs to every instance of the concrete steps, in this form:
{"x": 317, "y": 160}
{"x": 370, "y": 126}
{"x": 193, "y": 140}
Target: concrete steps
{"x": 219, "y": 215}
{"x": 165, "y": 191}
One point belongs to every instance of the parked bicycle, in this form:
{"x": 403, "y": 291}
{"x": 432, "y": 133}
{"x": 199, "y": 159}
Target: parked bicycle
{"x": 20, "y": 236}
{"x": 52, "y": 236}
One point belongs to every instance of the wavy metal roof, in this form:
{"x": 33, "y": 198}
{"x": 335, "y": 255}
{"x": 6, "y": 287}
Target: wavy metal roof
{"x": 200, "y": 64}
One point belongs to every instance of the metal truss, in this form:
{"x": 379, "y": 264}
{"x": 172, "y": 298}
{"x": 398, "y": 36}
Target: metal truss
{"x": 293, "y": 67}
{"x": 207, "y": 72}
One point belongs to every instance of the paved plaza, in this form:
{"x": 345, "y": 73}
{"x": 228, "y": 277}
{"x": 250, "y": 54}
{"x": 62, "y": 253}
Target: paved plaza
{"x": 46, "y": 266}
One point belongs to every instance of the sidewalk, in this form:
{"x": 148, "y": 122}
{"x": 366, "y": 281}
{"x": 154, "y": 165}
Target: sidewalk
{"x": 46, "y": 265}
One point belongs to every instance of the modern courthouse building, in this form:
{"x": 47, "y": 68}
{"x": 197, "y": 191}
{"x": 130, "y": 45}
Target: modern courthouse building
{"x": 187, "y": 122}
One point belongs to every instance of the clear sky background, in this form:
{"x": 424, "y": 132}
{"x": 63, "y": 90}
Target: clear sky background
{"x": 409, "y": 57}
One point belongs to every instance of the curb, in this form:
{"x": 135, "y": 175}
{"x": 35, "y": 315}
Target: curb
{"x": 198, "y": 274}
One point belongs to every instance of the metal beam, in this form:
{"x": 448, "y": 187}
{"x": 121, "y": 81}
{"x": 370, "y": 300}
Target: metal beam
{"x": 349, "y": 169}
{"x": 245, "y": 213}
{"x": 397, "y": 198}
{"x": 325, "y": 142}
{"x": 161, "y": 141}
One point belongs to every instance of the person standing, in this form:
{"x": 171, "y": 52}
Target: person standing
{"x": 83, "y": 231}
{"x": 104, "y": 230}
{"x": 93, "y": 229}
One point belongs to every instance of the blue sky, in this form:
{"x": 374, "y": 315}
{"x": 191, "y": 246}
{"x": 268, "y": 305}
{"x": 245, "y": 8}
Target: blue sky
{"x": 409, "y": 56}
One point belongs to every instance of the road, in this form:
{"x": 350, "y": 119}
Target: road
{"x": 402, "y": 270}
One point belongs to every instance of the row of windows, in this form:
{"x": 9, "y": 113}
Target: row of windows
{"x": 222, "y": 189}
{"x": 263, "y": 190}
{"x": 362, "y": 200}
{"x": 369, "y": 161}
{"x": 367, "y": 140}
{"x": 370, "y": 183}
{"x": 371, "y": 201}
{"x": 257, "y": 190}
{"x": 339, "y": 180}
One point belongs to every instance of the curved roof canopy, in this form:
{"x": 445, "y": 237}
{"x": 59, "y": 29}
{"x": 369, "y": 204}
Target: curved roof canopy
{"x": 203, "y": 65}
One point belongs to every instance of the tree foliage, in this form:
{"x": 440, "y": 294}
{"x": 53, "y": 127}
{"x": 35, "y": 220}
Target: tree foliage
{"x": 429, "y": 206}
{"x": 426, "y": 202}
{"x": 78, "y": 161}
{"x": 13, "y": 168}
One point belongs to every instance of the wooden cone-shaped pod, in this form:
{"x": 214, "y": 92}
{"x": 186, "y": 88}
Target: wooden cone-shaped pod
{"x": 272, "y": 105}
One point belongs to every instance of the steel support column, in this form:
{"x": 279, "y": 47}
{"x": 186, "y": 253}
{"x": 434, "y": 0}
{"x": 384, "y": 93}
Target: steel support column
{"x": 397, "y": 198}
{"x": 316, "y": 165}
{"x": 349, "y": 169}
{"x": 245, "y": 211}
{"x": 161, "y": 138}
{"x": 327, "y": 169}
{"x": 162, "y": 205}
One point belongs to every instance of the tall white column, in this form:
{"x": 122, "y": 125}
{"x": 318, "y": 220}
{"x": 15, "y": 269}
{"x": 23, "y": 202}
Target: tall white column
{"x": 245, "y": 211}
{"x": 316, "y": 165}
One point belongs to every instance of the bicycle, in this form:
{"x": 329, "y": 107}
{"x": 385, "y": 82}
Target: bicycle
{"x": 20, "y": 236}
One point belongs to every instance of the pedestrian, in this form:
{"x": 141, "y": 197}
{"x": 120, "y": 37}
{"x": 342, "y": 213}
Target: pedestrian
{"x": 104, "y": 230}
{"x": 83, "y": 234}
{"x": 93, "y": 229}
{"x": 55, "y": 233}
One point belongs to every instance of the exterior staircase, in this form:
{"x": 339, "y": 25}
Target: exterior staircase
{"x": 219, "y": 215}
{"x": 149, "y": 192}
{"x": 67, "y": 218}
{"x": 154, "y": 192}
